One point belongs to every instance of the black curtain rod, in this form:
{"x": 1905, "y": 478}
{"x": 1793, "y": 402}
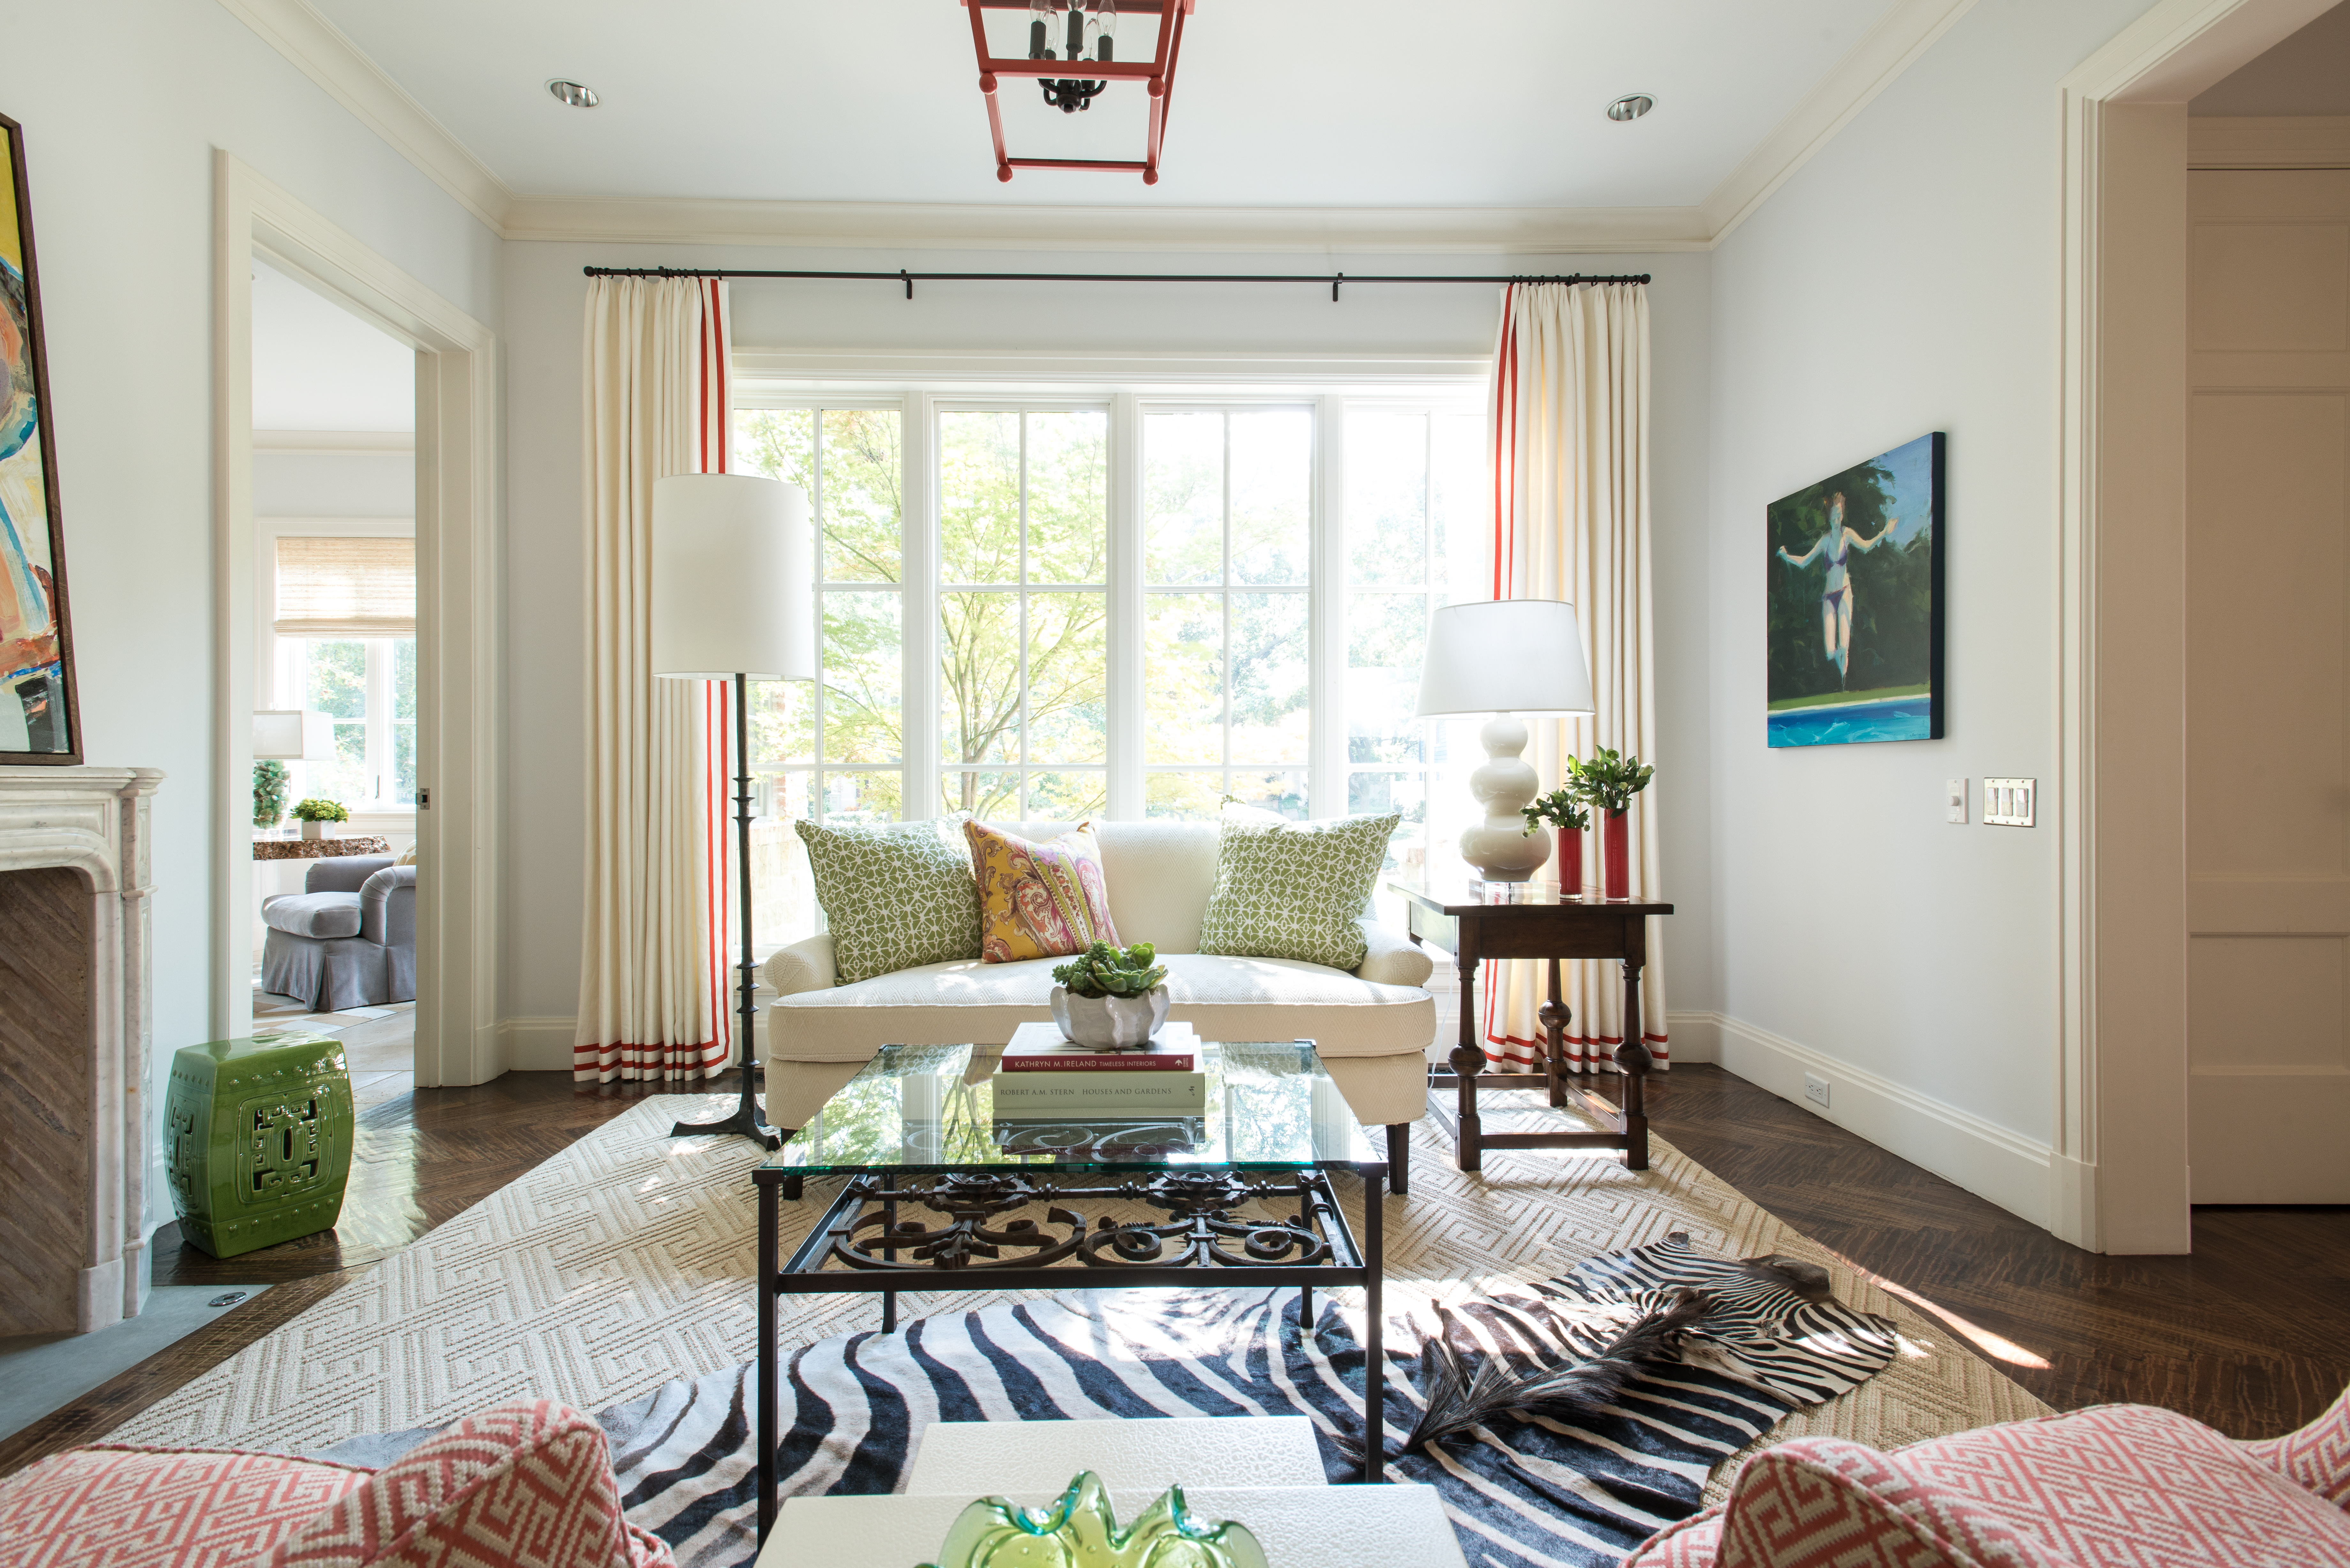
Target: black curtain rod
{"x": 1336, "y": 280}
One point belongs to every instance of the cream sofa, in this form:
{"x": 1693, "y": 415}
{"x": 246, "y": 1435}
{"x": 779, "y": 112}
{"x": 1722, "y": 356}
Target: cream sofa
{"x": 1371, "y": 1026}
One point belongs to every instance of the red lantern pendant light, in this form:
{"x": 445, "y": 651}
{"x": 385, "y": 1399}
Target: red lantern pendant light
{"x": 1088, "y": 22}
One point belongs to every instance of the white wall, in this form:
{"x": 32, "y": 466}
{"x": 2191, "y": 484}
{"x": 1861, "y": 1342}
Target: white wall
{"x": 1904, "y": 281}
{"x": 122, "y": 102}
{"x": 544, "y": 291}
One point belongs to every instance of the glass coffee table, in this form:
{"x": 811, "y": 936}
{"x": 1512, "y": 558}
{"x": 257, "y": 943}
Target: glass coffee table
{"x": 940, "y": 1195}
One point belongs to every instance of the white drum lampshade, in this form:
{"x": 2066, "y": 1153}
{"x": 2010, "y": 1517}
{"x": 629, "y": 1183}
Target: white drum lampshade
{"x": 734, "y": 578}
{"x": 294, "y": 734}
{"x": 1515, "y": 658}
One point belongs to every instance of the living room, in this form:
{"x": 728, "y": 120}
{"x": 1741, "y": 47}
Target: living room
{"x": 2001, "y": 1026}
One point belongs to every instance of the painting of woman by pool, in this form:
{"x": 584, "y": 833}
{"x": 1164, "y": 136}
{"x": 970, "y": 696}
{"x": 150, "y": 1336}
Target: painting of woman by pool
{"x": 1856, "y": 603}
{"x": 37, "y": 719}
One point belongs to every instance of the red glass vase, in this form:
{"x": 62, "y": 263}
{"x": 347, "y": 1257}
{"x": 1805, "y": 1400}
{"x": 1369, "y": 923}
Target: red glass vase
{"x": 1570, "y": 861}
{"x": 1615, "y": 853}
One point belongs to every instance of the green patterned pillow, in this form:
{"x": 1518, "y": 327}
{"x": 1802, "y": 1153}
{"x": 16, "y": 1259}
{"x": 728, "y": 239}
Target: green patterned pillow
{"x": 1294, "y": 890}
{"x": 896, "y": 895}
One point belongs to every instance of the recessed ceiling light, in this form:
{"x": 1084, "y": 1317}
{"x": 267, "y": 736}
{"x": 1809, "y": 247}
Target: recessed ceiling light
{"x": 580, "y": 95}
{"x": 1631, "y": 106}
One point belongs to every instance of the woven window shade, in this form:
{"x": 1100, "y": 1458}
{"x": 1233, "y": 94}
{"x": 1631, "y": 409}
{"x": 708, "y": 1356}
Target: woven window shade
{"x": 346, "y": 587}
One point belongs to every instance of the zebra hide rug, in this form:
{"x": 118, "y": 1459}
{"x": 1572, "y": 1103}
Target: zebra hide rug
{"x": 1578, "y": 1490}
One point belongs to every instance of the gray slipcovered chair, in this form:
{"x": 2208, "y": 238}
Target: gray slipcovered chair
{"x": 348, "y": 939}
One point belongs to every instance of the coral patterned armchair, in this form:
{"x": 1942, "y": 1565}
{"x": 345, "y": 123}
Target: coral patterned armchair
{"x": 527, "y": 1484}
{"x": 2101, "y": 1488}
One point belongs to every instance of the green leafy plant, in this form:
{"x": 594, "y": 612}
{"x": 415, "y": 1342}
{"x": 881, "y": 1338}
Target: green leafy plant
{"x": 1104, "y": 970}
{"x": 1609, "y": 781}
{"x": 1559, "y": 808}
{"x": 321, "y": 811}
{"x": 268, "y": 793}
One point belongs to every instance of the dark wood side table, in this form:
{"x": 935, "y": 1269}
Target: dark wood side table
{"x": 1480, "y": 920}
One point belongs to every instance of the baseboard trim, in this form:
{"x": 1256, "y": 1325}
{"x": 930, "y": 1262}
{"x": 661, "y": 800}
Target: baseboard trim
{"x": 537, "y": 1045}
{"x": 1990, "y": 1161}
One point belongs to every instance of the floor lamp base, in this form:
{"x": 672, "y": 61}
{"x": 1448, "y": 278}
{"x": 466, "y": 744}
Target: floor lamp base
{"x": 745, "y": 1120}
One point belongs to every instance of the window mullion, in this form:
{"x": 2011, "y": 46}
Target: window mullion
{"x": 1325, "y": 776}
{"x": 1126, "y": 720}
{"x": 919, "y": 525}
{"x": 379, "y": 717}
{"x": 815, "y": 698}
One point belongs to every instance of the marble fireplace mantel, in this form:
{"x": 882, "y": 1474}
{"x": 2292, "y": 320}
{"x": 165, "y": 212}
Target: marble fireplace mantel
{"x": 77, "y": 1112}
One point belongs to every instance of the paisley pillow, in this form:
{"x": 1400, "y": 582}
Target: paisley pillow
{"x": 1038, "y": 900}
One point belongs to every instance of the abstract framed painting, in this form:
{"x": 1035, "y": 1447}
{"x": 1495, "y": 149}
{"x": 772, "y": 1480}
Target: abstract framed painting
{"x": 40, "y": 720}
{"x": 1854, "y": 580}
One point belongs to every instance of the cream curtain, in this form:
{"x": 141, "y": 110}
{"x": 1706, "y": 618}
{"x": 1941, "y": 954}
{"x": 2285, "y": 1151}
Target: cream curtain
{"x": 653, "y": 980}
{"x": 1567, "y": 417}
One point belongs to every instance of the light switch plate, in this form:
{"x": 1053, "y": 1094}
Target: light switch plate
{"x": 2008, "y": 803}
{"x": 1956, "y": 806}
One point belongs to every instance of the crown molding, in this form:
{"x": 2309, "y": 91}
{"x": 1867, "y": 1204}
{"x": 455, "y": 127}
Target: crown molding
{"x": 1884, "y": 52}
{"x": 336, "y": 444}
{"x": 1521, "y": 231}
{"x": 324, "y": 54}
{"x": 2300, "y": 141}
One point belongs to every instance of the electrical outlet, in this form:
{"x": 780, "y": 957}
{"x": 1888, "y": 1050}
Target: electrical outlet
{"x": 1815, "y": 1089}
{"x": 1954, "y": 800}
{"x": 2007, "y": 802}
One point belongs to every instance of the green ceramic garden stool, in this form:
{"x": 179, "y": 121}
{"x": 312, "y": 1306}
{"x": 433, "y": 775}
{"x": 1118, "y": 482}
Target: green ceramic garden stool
{"x": 257, "y": 1140}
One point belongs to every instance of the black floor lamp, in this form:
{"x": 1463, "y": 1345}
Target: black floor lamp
{"x": 734, "y": 598}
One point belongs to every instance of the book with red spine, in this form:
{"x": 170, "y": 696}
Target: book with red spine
{"x": 1041, "y": 1048}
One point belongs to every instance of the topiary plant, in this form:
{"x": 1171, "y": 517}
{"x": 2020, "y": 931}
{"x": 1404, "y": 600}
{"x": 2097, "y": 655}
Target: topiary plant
{"x": 322, "y": 811}
{"x": 268, "y": 793}
{"x": 1104, "y": 970}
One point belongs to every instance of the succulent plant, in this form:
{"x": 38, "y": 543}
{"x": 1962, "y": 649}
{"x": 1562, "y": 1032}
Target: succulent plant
{"x": 1106, "y": 971}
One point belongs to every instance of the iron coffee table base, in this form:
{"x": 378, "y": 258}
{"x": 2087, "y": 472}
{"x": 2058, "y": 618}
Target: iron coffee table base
{"x": 886, "y": 1233}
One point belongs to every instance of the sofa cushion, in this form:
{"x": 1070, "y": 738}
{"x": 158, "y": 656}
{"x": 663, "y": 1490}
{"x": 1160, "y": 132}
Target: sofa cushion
{"x": 1158, "y": 874}
{"x": 1294, "y": 890}
{"x": 129, "y": 1506}
{"x": 1038, "y": 898}
{"x": 969, "y": 1003}
{"x": 896, "y": 895}
{"x": 320, "y": 915}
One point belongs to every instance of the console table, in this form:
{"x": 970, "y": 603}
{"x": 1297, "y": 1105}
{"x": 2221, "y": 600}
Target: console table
{"x": 320, "y": 848}
{"x": 1482, "y": 920}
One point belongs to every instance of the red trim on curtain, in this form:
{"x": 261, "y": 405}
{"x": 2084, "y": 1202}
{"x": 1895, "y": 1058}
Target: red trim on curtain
{"x": 716, "y": 419}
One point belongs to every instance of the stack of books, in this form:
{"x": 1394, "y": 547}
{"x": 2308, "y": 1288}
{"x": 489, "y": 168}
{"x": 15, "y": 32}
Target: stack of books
{"x": 1043, "y": 1076}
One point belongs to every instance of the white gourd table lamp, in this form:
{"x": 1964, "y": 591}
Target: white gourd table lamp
{"x": 734, "y": 598}
{"x": 1516, "y": 659}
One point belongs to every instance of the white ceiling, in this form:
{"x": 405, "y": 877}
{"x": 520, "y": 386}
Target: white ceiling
{"x": 316, "y": 367}
{"x": 1278, "y": 103}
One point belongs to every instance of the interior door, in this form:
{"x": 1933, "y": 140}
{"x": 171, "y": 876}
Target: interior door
{"x": 2268, "y": 686}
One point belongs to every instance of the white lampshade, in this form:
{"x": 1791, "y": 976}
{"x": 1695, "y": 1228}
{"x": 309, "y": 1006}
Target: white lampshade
{"x": 734, "y": 578}
{"x": 292, "y": 735}
{"x": 1507, "y": 656}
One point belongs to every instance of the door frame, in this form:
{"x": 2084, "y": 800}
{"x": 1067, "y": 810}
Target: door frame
{"x": 459, "y": 568}
{"x": 2119, "y": 1169}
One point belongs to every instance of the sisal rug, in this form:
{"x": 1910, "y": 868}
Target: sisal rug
{"x": 626, "y": 1262}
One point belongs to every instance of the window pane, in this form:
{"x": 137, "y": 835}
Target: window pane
{"x": 1195, "y": 797}
{"x": 1271, "y": 694}
{"x": 777, "y": 443}
{"x": 1068, "y": 497}
{"x": 1183, "y": 498}
{"x": 1282, "y": 791}
{"x": 859, "y": 499}
{"x": 979, "y": 497}
{"x": 403, "y": 764}
{"x": 338, "y": 681}
{"x": 1387, "y": 636}
{"x": 1405, "y": 793}
{"x": 1387, "y": 497}
{"x": 1183, "y": 677}
{"x": 989, "y": 797}
{"x": 783, "y": 900}
{"x": 1273, "y": 491}
{"x": 403, "y": 678}
{"x": 853, "y": 798}
{"x": 783, "y": 719}
{"x": 1066, "y": 797}
{"x": 979, "y": 678}
{"x": 863, "y": 677}
{"x": 344, "y": 780}
{"x": 1462, "y": 505}
{"x": 1068, "y": 678}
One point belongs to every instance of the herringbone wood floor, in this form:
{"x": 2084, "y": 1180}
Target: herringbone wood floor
{"x": 2250, "y": 1334}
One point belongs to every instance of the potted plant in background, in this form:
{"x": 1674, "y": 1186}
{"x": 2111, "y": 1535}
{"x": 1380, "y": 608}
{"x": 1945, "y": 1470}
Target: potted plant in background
{"x": 1608, "y": 781}
{"x": 314, "y": 816}
{"x": 268, "y": 794}
{"x": 1111, "y": 997}
{"x": 1561, "y": 807}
